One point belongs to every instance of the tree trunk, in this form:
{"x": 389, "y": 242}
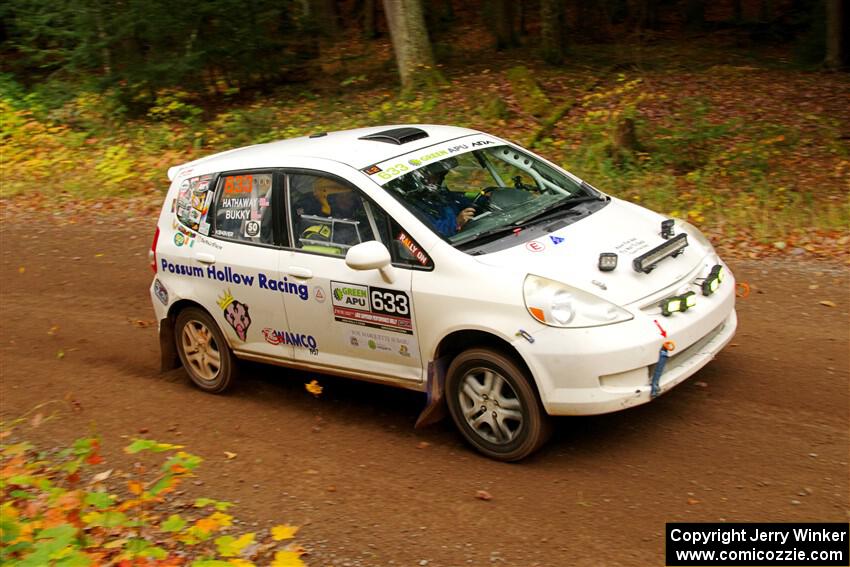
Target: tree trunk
{"x": 592, "y": 20}
{"x": 695, "y": 14}
{"x": 834, "y": 19}
{"x": 552, "y": 31}
{"x": 448, "y": 11}
{"x": 503, "y": 23}
{"x": 325, "y": 14}
{"x": 766, "y": 11}
{"x": 647, "y": 14}
{"x": 370, "y": 30}
{"x": 412, "y": 47}
{"x": 523, "y": 29}
{"x": 738, "y": 11}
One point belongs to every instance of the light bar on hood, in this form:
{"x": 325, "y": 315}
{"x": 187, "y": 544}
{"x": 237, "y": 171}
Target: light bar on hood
{"x": 646, "y": 262}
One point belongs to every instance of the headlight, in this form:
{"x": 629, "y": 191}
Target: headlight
{"x": 559, "y": 305}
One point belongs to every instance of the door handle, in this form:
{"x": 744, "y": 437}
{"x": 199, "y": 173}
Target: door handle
{"x": 205, "y": 258}
{"x": 299, "y": 272}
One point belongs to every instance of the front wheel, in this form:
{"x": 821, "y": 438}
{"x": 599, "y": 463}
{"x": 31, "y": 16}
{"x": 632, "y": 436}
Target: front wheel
{"x": 204, "y": 351}
{"x": 495, "y": 406}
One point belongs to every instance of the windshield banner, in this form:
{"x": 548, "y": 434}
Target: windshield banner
{"x": 392, "y": 168}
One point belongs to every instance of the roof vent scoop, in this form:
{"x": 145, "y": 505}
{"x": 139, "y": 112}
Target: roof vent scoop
{"x": 397, "y": 136}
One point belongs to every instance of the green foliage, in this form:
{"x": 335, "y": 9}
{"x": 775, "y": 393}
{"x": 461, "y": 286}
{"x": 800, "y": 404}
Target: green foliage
{"x": 56, "y": 510}
{"x": 142, "y": 47}
{"x": 694, "y": 158}
{"x": 494, "y": 109}
{"x": 528, "y": 93}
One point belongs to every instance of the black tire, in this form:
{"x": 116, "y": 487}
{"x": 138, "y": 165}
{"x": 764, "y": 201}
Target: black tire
{"x": 197, "y": 351}
{"x": 490, "y": 422}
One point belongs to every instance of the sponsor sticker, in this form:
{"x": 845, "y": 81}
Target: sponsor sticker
{"x": 252, "y": 228}
{"x": 413, "y": 248}
{"x": 556, "y": 239}
{"x": 295, "y": 339}
{"x": 535, "y": 246}
{"x": 368, "y": 306}
{"x": 160, "y": 291}
{"x": 393, "y": 345}
{"x": 390, "y": 169}
{"x": 631, "y": 246}
{"x": 236, "y": 314}
{"x": 350, "y": 296}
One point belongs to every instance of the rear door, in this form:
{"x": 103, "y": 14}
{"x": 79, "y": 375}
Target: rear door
{"x": 236, "y": 251}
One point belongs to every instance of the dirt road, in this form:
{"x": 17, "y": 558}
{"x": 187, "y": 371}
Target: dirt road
{"x": 761, "y": 434}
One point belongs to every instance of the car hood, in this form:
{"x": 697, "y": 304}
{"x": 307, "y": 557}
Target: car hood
{"x": 571, "y": 254}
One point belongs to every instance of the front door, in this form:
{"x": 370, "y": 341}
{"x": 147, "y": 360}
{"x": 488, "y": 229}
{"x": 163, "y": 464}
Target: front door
{"x": 341, "y": 319}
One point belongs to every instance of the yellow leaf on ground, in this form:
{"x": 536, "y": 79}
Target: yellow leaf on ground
{"x": 213, "y": 522}
{"x": 284, "y": 531}
{"x": 228, "y": 546}
{"x": 287, "y": 559}
{"x": 313, "y": 387}
{"x": 21, "y": 270}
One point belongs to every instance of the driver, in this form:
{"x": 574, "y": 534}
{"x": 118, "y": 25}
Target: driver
{"x": 448, "y": 211}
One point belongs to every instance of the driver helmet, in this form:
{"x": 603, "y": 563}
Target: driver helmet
{"x": 433, "y": 174}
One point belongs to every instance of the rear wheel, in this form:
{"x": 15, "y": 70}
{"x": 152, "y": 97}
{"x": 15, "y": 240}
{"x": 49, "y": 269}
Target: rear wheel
{"x": 204, "y": 351}
{"x": 495, "y": 406}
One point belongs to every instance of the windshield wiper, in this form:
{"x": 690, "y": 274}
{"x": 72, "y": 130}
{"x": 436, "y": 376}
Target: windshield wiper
{"x": 553, "y": 212}
{"x": 493, "y": 232}
{"x": 514, "y": 227}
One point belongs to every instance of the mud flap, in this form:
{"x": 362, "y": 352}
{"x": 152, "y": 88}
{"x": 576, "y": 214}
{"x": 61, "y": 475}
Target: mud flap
{"x": 435, "y": 409}
{"x": 169, "y": 360}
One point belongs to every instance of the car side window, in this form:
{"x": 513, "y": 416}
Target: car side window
{"x": 243, "y": 207}
{"x": 405, "y": 250}
{"x": 327, "y": 215}
{"x": 193, "y": 202}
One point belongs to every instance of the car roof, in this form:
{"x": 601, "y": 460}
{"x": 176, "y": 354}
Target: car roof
{"x": 345, "y": 146}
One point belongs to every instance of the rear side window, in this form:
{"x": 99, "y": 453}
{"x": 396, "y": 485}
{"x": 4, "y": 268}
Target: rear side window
{"x": 193, "y": 203}
{"x": 243, "y": 208}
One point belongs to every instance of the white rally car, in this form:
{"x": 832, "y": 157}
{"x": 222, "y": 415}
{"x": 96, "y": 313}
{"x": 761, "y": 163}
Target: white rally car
{"x": 438, "y": 259}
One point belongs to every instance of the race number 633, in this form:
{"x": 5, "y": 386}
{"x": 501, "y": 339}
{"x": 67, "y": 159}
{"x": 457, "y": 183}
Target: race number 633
{"x": 390, "y": 301}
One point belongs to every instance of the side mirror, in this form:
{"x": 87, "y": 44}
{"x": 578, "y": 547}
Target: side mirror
{"x": 370, "y": 255}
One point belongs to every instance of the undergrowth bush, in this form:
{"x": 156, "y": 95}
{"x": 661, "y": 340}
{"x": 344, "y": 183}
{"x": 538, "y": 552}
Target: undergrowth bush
{"x": 64, "y": 508}
{"x": 688, "y": 158}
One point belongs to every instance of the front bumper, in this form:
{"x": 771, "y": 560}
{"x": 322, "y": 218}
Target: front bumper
{"x": 604, "y": 369}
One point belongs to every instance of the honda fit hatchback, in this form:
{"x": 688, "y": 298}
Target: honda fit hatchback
{"x": 438, "y": 259}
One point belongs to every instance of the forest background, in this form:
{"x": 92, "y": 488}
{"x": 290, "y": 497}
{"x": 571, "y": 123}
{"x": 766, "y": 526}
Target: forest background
{"x": 732, "y": 114}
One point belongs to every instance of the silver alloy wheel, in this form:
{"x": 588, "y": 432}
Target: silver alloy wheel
{"x": 201, "y": 350}
{"x": 490, "y": 405}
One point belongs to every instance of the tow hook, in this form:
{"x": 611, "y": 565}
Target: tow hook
{"x": 668, "y": 346}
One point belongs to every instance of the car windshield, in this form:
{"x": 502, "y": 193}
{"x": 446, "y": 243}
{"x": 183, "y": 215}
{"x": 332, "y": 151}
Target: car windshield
{"x": 486, "y": 192}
